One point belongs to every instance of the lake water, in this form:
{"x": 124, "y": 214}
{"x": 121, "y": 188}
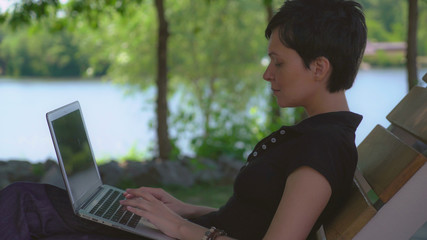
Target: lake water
{"x": 117, "y": 121}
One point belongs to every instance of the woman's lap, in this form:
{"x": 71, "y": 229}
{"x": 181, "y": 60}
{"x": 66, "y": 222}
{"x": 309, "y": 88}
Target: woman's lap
{"x": 40, "y": 211}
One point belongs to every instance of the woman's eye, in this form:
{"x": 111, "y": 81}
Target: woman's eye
{"x": 278, "y": 64}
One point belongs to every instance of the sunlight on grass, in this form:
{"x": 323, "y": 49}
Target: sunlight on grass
{"x": 206, "y": 194}
{"x": 203, "y": 194}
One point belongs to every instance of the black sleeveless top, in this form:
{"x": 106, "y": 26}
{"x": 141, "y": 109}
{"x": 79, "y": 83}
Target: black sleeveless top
{"x": 324, "y": 142}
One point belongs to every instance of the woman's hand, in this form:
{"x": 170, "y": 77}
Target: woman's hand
{"x": 171, "y": 202}
{"x": 184, "y": 210}
{"x": 153, "y": 205}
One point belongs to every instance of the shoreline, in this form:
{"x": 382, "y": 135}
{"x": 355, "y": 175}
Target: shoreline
{"x": 183, "y": 172}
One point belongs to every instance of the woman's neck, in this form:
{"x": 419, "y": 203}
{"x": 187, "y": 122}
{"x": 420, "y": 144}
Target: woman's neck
{"x": 328, "y": 102}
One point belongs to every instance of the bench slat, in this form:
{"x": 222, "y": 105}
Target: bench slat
{"x": 386, "y": 162}
{"x": 367, "y": 190}
{"x": 411, "y": 113}
{"x": 351, "y": 219}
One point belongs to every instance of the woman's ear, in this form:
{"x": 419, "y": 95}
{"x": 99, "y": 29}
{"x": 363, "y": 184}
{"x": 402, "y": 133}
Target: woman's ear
{"x": 321, "y": 68}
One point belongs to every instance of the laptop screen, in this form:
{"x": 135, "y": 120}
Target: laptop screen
{"x": 75, "y": 151}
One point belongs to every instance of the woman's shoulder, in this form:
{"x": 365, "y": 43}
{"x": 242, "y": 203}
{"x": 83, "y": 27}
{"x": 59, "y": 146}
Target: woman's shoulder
{"x": 330, "y": 121}
{"x": 328, "y": 128}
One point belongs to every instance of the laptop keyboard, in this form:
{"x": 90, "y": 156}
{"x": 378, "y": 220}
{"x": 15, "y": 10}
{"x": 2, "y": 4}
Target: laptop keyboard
{"x": 109, "y": 208}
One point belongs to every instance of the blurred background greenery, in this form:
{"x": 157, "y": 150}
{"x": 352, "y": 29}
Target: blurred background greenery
{"x": 212, "y": 50}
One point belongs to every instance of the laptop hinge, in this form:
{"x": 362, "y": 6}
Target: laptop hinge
{"x": 91, "y": 198}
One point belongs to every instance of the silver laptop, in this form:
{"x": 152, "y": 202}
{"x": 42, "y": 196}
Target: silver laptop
{"x": 90, "y": 198}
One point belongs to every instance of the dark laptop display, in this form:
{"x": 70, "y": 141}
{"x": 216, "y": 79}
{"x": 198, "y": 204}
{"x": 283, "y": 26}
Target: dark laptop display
{"x": 76, "y": 153}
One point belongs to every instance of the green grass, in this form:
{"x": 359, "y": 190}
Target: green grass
{"x": 206, "y": 194}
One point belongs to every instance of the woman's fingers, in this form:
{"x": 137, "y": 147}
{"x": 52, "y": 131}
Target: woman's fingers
{"x": 143, "y": 201}
{"x": 136, "y": 211}
{"x": 134, "y": 202}
{"x": 144, "y": 204}
{"x": 127, "y": 195}
{"x": 156, "y": 192}
{"x": 140, "y": 193}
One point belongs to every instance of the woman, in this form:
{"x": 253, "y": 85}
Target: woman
{"x": 298, "y": 176}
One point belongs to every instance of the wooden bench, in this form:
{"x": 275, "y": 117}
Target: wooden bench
{"x": 389, "y": 198}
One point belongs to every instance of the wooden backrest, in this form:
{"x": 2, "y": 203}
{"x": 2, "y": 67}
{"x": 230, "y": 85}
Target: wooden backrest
{"x": 351, "y": 219}
{"x": 411, "y": 114}
{"x": 386, "y": 162}
{"x": 388, "y": 158}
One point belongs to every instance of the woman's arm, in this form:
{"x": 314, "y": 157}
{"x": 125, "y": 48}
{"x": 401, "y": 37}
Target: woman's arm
{"x": 151, "y": 206}
{"x": 306, "y": 194}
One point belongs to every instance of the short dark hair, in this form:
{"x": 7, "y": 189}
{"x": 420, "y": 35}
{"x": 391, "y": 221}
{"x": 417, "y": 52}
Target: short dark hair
{"x": 334, "y": 29}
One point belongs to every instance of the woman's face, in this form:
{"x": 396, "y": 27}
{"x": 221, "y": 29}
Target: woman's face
{"x": 291, "y": 82}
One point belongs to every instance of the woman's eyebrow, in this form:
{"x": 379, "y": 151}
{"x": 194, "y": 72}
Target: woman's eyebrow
{"x": 272, "y": 54}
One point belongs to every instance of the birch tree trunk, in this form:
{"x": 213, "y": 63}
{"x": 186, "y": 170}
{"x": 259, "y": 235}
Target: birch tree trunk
{"x": 411, "y": 54}
{"x": 163, "y": 141}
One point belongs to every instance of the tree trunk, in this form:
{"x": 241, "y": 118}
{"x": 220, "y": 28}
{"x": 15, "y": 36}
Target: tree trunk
{"x": 163, "y": 141}
{"x": 411, "y": 54}
{"x": 269, "y": 8}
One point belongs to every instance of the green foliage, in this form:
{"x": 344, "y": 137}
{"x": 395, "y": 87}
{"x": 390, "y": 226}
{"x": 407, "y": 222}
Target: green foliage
{"x": 384, "y": 60}
{"x": 387, "y": 22}
{"x": 231, "y": 133}
{"x": 234, "y": 135}
{"x": 175, "y": 151}
{"x": 34, "y": 52}
{"x": 215, "y": 49}
{"x": 218, "y": 60}
{"x": 206, "y": 194}
{"x": 386, "y": 12}
{"x": 127, "y": 183}
{"x": 134, "y": 154}
{"x": 27, "y": 11}
{"x": 38, "y": 169}
{"x": 137, "y": 155}
{"x": 227, "y": 138}
{"x": 129, "y": 44}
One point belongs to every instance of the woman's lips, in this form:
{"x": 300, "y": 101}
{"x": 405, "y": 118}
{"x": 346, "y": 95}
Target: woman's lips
{"x": 275, "y": 91}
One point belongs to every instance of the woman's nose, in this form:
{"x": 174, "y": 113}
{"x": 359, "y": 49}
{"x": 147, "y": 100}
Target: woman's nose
{"x": 267, "y": 74}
